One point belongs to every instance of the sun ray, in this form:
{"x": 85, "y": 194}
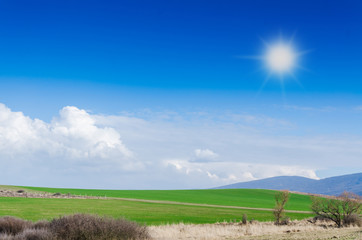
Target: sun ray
{"x": 303, "y": 68}
{"x": 296, "y": 79}
{"x": 266, "y": 44}
{"x": 291, "y": 40}
{"x": 266, "y": 80}
{"x": 301, "y": 53}
{"x": 251, "y": 57}
{"x": 282, "y": 88}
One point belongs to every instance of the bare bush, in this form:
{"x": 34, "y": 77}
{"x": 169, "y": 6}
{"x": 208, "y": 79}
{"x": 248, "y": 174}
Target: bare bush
{"x": 42, "y": 224}
{"x": 244, "y": 219}
{"x": 281, "y": 199}
{"x": 338, "y": 210}
{"x": 285, "y": 221}
{"x": 90, "y": 227}
{"x": 353, "y": 220}
{"x": 253, "y": 221}
{"x": 73, "y": 227}
{"x": 5, "y": 237}
{"x": 34, "y": 234}
{"x": 12, "y": 225}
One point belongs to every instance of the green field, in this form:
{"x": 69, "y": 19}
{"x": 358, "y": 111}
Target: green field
{"x": 153, "y": 213}
{"x": 147, "y": 213}
{"x": 256, "y": 198}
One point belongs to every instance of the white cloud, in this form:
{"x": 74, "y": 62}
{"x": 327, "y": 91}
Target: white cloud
{"x": 79, "y": 149}
{"x": 205, "y": 155}
{"x": 315, "y": 109}
{"x": 260, "y": 120}
{"x": 73, "y": 136}
{"x": 220, "y": 173}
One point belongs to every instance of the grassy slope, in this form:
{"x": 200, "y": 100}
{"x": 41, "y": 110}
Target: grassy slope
{"x": 149, "y": 213}
{"x": 257, "y": 198}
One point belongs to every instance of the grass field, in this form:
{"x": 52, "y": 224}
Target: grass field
{"x": 256, "y": 198}
{"x": 148, "y": 213}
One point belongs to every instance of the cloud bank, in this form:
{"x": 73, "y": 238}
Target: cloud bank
{"x": 160, "y": 151}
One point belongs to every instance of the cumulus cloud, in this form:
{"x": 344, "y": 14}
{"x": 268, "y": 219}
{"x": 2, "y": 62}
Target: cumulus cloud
{"x": 73, "y": 136}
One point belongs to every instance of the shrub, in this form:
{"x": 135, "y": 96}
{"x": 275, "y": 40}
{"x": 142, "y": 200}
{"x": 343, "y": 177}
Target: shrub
{"x": 90, "y": 227}
{"x": 12, "y": 226}
{"x": 337, "y": 210}
{"x": 285, "y": 221}
{"x": 353, "y": 219}
{"x": 34, "y": 234}
{"x": 73, "y": 227}
{"x": 42, "y": 224}
{"x": 252, "y": 221}
{"x": 5, "y": 237}
{"x": 244, "y": 219}
{"x": 281, "y": 199}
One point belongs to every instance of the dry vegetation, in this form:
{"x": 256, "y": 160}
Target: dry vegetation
{"x": 73, "y": 227}
{"x": 256, "y": 230}
{"x": 82, "y": 227}
{"x": 33, "y": 194}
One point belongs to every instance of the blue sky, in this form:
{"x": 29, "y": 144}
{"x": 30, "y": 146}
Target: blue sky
{"x": 179, "y": 68}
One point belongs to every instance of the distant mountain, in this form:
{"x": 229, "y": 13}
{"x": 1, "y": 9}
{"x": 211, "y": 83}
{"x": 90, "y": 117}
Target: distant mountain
{"x": 326, "y": 186}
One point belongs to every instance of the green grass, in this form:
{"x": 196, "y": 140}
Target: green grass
{"x": 154, "y": 213}
{"x": 256, "y": 198}
{"x": 147, "y": 213}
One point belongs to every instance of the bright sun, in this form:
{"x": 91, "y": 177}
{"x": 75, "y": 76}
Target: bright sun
{"x": 280, "y": 58}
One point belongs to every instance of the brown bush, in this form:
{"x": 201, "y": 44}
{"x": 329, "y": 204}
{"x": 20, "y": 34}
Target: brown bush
{"x": 42, "y": 224}
{"x": 90, "y": 227}
{"x": 34, "y": 234}
{"x": 285, "y": 221}
{"x": 353, "y": 219}
{"x": 5, "y": 237}
{"x": 244, "y": 219}
{"x": 252, "y": 221}
{"x": 12, "y": 226}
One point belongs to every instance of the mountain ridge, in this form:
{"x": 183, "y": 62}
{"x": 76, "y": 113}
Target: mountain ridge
{"x": 327, "y": 186}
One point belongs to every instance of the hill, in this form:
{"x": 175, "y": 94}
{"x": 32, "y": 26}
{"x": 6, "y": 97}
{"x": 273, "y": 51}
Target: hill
{"x": 327, "y": 186}
{"x": 255, "y": 198}
{"x": 152, "y": 207}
